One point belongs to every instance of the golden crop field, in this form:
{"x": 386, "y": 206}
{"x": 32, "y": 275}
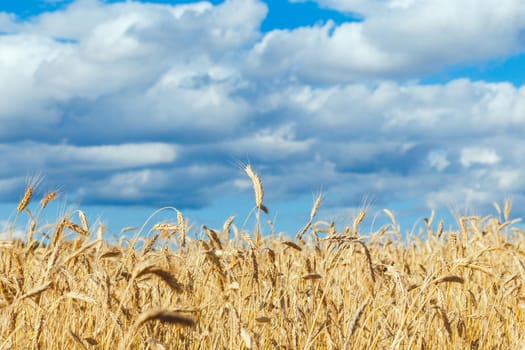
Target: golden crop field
{"x": 232, "y": 289}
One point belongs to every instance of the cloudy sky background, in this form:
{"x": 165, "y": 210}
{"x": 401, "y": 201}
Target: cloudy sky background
{"x": 131, "y": 106}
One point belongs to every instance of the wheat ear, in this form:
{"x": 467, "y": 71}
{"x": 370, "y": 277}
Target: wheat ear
{"x": 257, "y": 187}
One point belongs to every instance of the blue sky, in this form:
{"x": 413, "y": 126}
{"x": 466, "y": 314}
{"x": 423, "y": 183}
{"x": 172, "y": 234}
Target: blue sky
{"x": 408, "y": 105}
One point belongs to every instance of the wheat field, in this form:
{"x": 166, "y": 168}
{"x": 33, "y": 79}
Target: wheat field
{"x": 63, "y": 286}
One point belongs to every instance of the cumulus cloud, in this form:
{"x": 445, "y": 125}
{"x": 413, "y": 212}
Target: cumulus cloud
{"x": 176, "y": 63}
{"x": 137, "y": 103}
{"x": 271, "y": 145}
{"x": 477, "y": 155}
{"x": 438, "y": 160}
{"x": 395, "y": 39}
{"x": 102, "y": 157}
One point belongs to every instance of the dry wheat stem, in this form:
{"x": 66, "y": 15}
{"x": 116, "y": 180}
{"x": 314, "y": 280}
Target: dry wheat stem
{"x": 162, "y": 315}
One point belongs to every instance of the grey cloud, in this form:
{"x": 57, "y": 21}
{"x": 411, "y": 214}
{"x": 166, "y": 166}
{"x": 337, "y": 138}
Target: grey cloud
{"x": 186, "y": 186}
{"x": 30, "y": 155}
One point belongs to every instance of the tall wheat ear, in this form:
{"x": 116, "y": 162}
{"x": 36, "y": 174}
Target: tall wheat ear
{"x": 257, "y": 187}
{"x": 31, "y": 184}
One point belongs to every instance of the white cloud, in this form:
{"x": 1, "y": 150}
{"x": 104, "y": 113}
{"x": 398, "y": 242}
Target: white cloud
{"x": 77, "y": 158}
{"x": 438, "y": 160}
{"x": 204, "y": 96}
{"x": 431, "y": 112}
{"x": 478, "y": 155}
{"x": 120, "y": 156}
{"x": 510, "y": 180}
{"x": 271, "y": 144}
{"x": 461, "y": 198}
{"x": 393, "y": 40}
{"x": 126, "y": 48}
{"x": 22, "y": 98}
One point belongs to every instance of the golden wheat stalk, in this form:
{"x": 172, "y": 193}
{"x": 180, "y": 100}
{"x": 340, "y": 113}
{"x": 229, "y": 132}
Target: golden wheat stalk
{"x": 257, "y": 187}
{"x": 24, "y": 202}
{"x": 74, "y": 227}
{"x": 214, "y": 238}
{"x": 162, "y": 315}
{"x": 359, "y": 219}
{"x": 356, "y": 317}
{"x": 83, "y": 220}
{"x": 49, "y": 197}
{"x": 182, "y": 228}
{"x": 36, "y": 291}
{"x": 226, "y": 227}
{"x": 32, "y": 184}
{"x": 313, "y": 212}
